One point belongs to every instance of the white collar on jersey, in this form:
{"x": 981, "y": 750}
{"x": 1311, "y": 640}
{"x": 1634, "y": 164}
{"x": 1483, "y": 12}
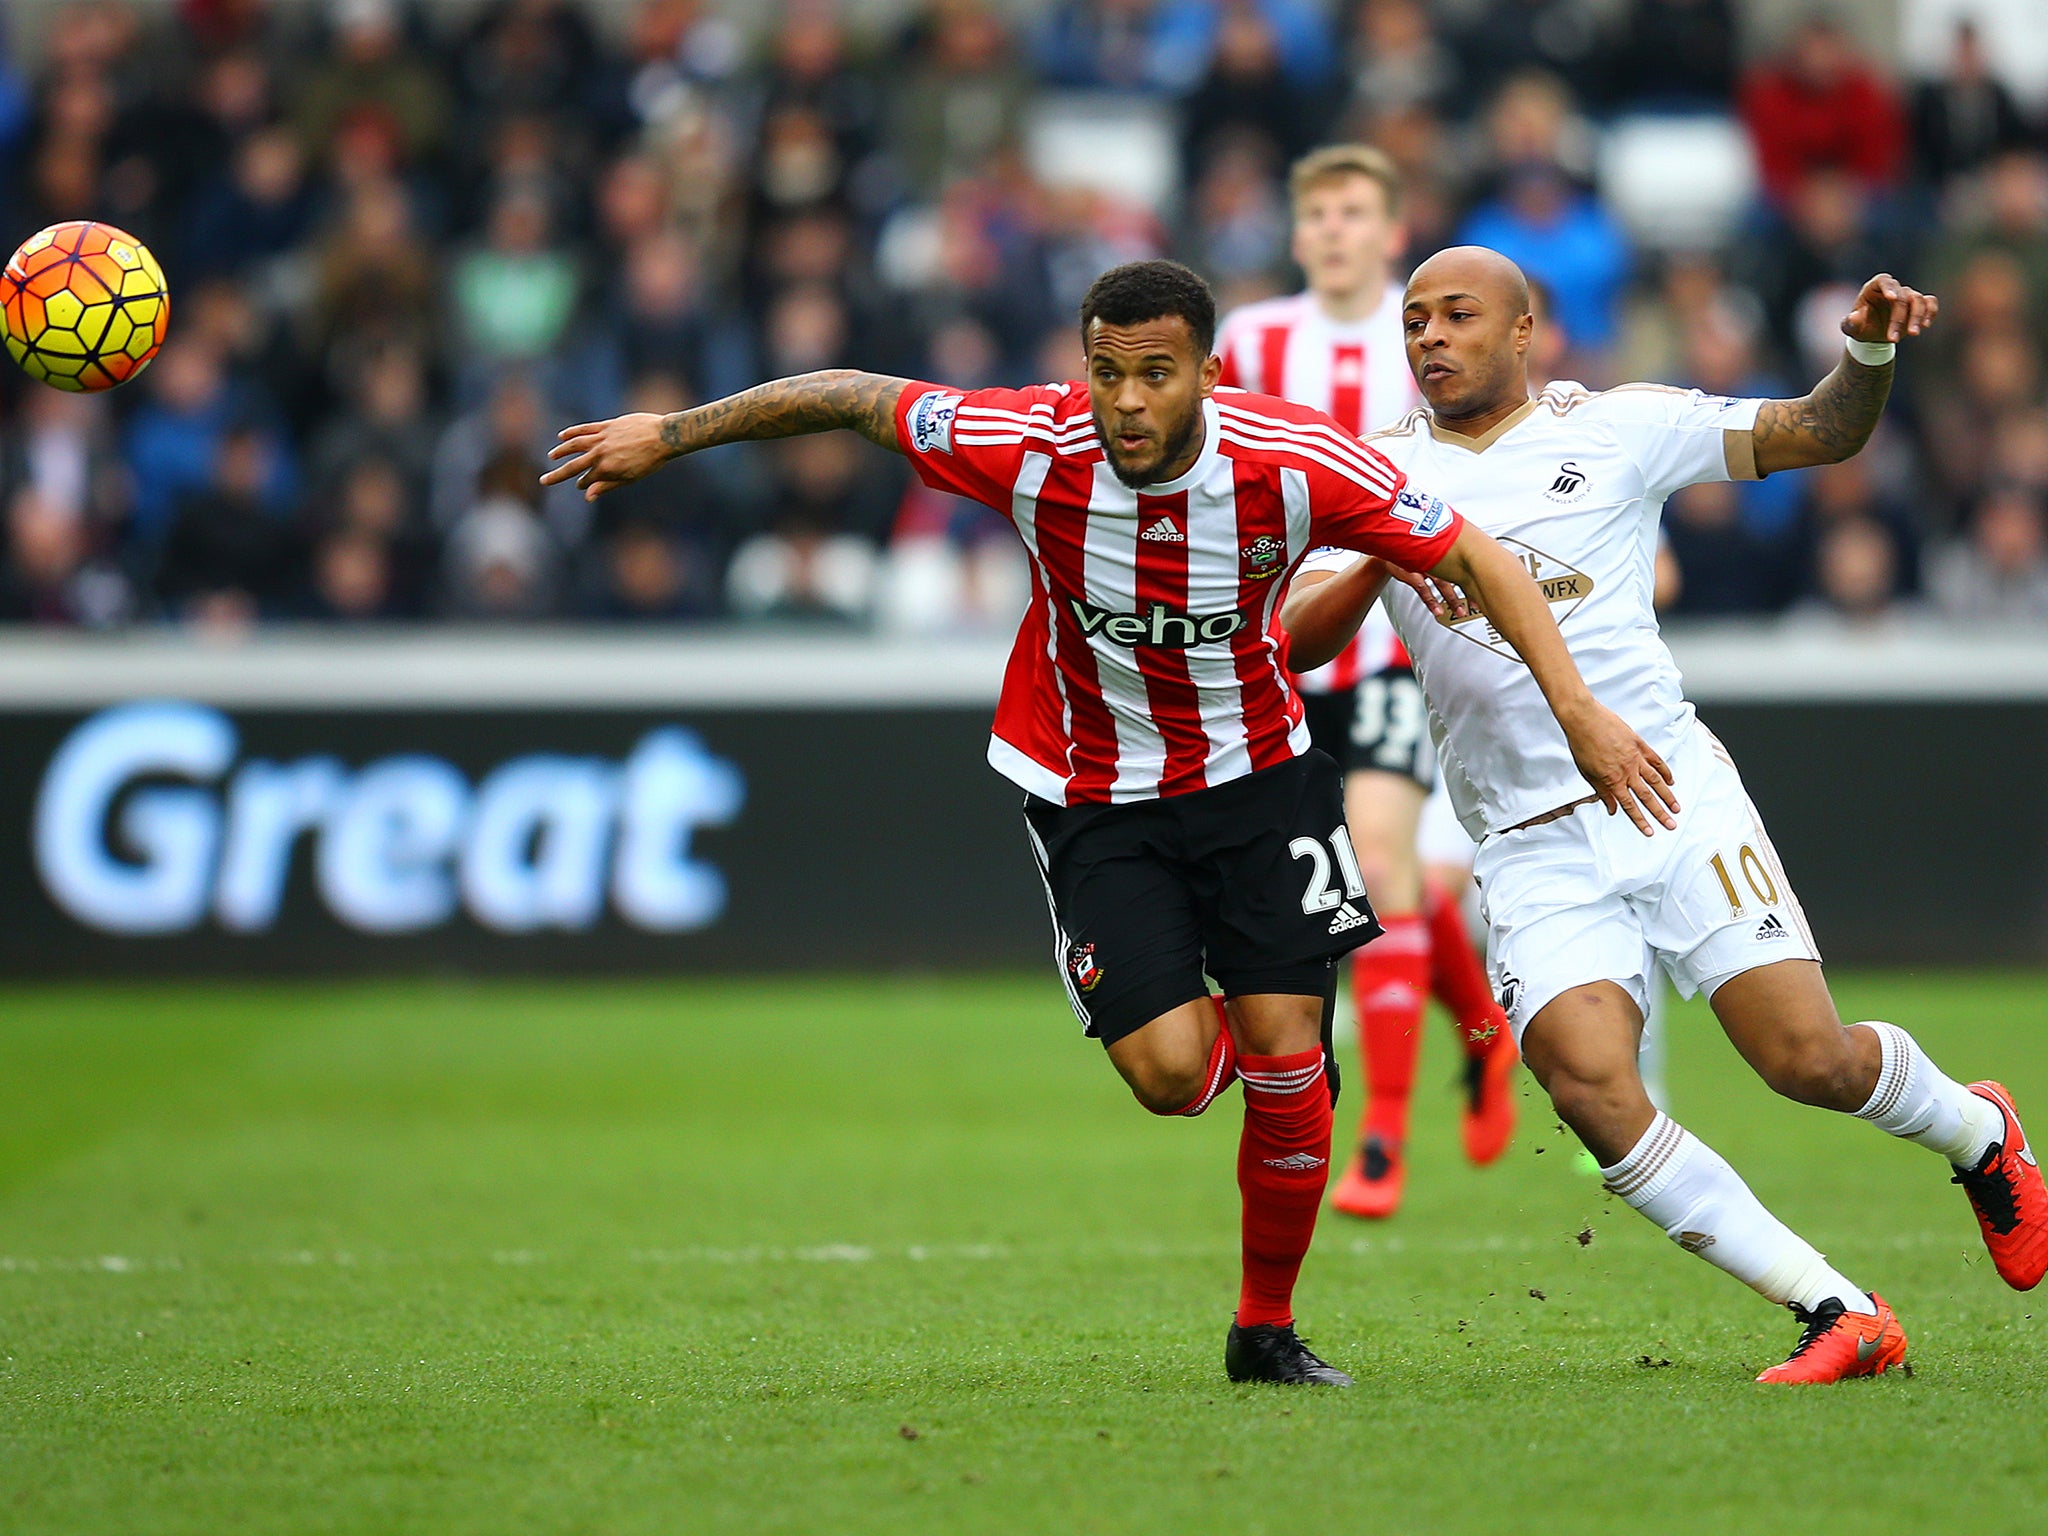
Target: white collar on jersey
{"x": 1486, "y": 439}
{"x": 1192, "y": 475}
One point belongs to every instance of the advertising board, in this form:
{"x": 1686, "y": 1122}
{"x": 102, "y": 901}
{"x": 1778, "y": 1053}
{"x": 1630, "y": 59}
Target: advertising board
{"x": 578, "y": 804}
{"x": 173, "y": 835}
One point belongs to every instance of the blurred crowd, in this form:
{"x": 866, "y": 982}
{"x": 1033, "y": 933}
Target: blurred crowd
{"x": 407, "y": 242}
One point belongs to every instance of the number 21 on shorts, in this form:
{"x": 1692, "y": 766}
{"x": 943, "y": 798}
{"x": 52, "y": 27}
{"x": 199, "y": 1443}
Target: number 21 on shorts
{"x": 1755, "y": 874}
{"x": 1321, "y": 896}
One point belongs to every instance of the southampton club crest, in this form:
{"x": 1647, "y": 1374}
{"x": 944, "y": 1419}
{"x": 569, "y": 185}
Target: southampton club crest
{"x": 1082, "y": 967}
{"x": 1263, "y": 558}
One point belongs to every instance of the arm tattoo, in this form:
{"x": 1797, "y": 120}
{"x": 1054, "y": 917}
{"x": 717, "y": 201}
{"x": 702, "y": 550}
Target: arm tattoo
{"x": 1829, "y": 425}
{"x": 810, "y": 402}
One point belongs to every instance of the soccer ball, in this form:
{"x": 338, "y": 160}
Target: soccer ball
{"x": 83, "y": 306}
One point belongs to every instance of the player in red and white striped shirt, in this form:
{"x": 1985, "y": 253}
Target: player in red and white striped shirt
{"x": 1179, "y": 820}
{"x": 1338, "y": 346}
{"x": 1147, "y": 664}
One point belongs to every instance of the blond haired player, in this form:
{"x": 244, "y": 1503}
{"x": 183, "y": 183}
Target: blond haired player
{"x": 1583, "y": 909}
{"x": 1337, "y": 346}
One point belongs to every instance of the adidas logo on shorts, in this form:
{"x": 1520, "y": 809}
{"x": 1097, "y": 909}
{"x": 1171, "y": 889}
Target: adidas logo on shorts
{"x": 1163, "y": 532}
{"x": 1771, "y": 928}
{"x": 1347, "y": 918}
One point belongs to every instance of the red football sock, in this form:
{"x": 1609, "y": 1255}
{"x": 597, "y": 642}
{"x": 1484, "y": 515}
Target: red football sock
{"x": 1222, "y": 1066}
{"x": 1456, "y": 977}
{"x": 1283, "y": 1162}
{"x": 1390, "y": 984}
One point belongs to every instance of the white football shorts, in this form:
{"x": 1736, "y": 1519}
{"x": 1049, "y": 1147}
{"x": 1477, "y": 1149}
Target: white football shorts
{"x": 1588, "y": 898}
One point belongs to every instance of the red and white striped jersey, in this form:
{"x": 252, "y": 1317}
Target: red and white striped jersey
{"x": 1149, "y": 661}
{"x": 1357, "y": 372}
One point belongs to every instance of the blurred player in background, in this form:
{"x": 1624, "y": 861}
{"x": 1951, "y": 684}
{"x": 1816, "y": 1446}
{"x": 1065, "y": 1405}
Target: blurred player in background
{"x": 1181, "y": 823}
{"x": 1583, "y": 911}
{"x": 1337, "y": 346}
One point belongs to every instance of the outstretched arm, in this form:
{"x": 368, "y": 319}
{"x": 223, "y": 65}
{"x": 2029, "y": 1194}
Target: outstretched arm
{"x": 1325, "y": 607}
{"x": 1624, "y": 772}
{"x": 603, "y": 455}
{"x": 1836, "y": 419}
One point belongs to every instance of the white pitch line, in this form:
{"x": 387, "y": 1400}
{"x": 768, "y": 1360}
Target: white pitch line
{"x": 1379, "y": 1246}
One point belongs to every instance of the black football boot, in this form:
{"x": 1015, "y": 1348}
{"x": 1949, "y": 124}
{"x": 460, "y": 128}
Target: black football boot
{"x": 1270, "y": 1352}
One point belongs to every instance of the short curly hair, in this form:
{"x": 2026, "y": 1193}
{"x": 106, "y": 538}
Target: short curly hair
{"x": 1139, "y": 291}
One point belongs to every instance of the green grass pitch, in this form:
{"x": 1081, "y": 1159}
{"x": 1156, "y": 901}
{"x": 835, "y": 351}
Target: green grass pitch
{"x": 888, "y": 1255}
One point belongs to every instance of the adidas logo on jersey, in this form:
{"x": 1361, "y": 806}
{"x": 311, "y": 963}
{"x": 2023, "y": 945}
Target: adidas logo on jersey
{"x": 1771, "y": 928}
{"x": 1163, "y": 532}
{"x": 1347, "y": 918}
{"x": 1302, "y": 1160}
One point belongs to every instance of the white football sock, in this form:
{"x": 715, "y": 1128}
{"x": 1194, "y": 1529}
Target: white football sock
{"x": 1917, "y": 1103}
{"x": 1685, "y": 1186}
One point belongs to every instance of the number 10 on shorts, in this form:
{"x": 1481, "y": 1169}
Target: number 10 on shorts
{"x": 1321, "y": 896}
{"x": 1755, "y": 874}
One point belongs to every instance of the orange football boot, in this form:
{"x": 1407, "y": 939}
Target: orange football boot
{"x": 2009, "y": 1198}
{"x": 1838, "y": 1344}
{"x": 1371, "y": 1186}
{"x": 1490, "y": 1100}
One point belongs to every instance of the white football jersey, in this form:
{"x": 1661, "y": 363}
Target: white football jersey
{"x": 1354, "y": 370}
{"x": 1573, "y": 485}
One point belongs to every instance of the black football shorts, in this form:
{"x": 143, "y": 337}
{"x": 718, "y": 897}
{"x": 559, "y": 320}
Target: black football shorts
{"x": 1329, "y": 716}
{"x": 1382, "y": 724}
{"x": 1390, "y": 727}
{"x": 1252, "y": 882}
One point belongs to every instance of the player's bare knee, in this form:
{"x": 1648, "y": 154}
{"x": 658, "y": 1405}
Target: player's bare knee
{"x": 1824, "y": 1070}
{"x": 1381, "y": 867}
{"x": 1591, "y": 1101}
{"x": 1166, "y": 1088}
{"x": 1166, "y": 1092}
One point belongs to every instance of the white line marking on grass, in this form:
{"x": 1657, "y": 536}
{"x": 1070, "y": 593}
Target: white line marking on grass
{"x": 1493, "y": 1242}
{"x": 1498, "y": 1242}
{"x": 823, "y": 1253}
{"x": 836, "y": 1253}
{"x": 101, "y": 1263}
{"x": 1387, "y": 1245}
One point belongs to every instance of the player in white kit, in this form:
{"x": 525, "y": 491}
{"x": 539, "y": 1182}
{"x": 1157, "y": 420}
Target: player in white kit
{"x": 1443, "y": 844}
{"x": 1338, "y": 346}
{"x": 1582, "y": 907}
